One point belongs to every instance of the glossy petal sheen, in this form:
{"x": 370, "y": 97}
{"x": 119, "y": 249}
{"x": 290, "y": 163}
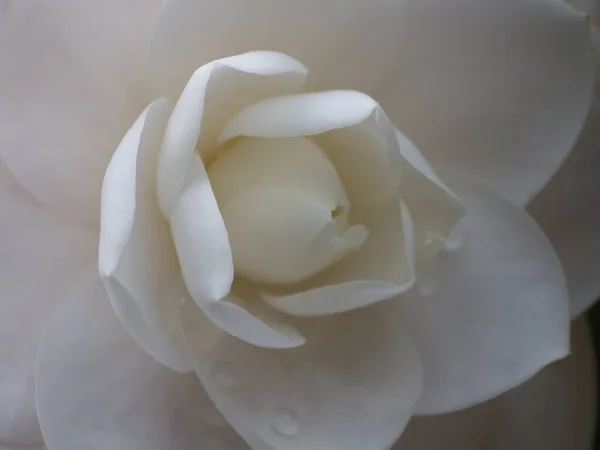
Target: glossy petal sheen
{"x": 214, "y": 93}
{"x": 568, "y": 211}
{"x": 348, "y": 126}
{"x": 70, "y": 92}
{"x": 137, "y": 259}
{"x": 498, "y": 89}
{"x": 41, "y": 255}
{"x": 96, "y": 389}
{"x": 491, "y": 313}
{"x": 352, "y": 389}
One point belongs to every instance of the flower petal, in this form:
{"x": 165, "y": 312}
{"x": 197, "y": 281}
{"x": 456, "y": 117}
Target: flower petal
{"x": 552, "y": 411}
{"x": 41, "y": 255}
{"x": 490, "y": 313}
{"x": 206, "y": 263}
{"x": 567, "y": 210}
{"x": 348, "y": 126}
{"x": 72, "y": 89}
{"x": 353, "y": 385}
{"x": 96, "y": 389}
{"x": 508, "y": 118}
{"x": 346, "y": 43}
{"x": 382, "y": 268}
{"x": 137, "y": 260}
{"x": 556, "y": 409}
{"x": 214, "y": 93}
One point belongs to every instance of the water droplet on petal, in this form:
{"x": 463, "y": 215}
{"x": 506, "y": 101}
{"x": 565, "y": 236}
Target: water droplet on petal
{"x": 454, "y": 241}
{"x": 223, "y": 374}
{"x": 427, "y": 286}
{"x": 285, "y": 422}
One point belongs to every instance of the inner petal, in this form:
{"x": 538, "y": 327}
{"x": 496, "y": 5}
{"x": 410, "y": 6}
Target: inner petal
{"x": 284, "y": 207}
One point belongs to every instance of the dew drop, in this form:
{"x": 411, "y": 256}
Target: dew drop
{"x": 427, "y": 287}
{"x": 223, "y": 374}
{"x": 454, "y": 241}
{"x": 285, "y": 422}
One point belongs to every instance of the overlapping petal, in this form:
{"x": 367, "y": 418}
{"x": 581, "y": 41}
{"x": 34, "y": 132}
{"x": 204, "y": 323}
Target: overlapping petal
{"x": 96, "y": 389}
{"x": 490, "y": 313}
{"x": 41, "y": 254}
{"x": 137, "y": 259}
{"x": 69, "y": 94}
{"x": 354, "y": 388}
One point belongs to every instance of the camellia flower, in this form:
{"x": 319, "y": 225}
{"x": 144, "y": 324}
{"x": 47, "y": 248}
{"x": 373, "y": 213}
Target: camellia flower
{"x": 316, "y": 225}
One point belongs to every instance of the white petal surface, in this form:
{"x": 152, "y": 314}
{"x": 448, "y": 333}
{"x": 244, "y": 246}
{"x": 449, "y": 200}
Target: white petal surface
{"x": 352, "y": 386}
{"x": 382, "y": 268}
{"x": 508, "y": 118}
{"x": 491, "y": 313}
{"x": 347, "y": 44}
{"x": 568, "y": 211}
{"x": 557, "y": 409}
{"x": 70, "y": 92}
{"x": 206, "y": 263}
{"x": 552, "y": 411}
{"x": 214, "y": 93}
{"x": 137, "y": 259}
{"x": 40, "y": 255}
{"x": 349, "y": 127}
{"x": 97, "y": 390}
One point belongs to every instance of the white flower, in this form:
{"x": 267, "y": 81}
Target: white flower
{"x": 277, "y": 237}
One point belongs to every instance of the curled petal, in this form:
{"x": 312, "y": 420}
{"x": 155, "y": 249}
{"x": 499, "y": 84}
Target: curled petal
{"x": 214, "y": 93}
{"x": 352, "y": 386}
{"x": 349, "y": 127}
{"x": 491, "y": 312}
{"x": 136, "y": 256}
{"x": 382, "y": 268}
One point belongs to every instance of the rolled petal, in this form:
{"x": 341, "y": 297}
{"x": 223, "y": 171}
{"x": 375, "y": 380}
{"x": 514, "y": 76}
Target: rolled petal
{"x": 434, "y": 209}
{"x": 347, "y": 44}
{"x": 567, "y": 210}
{"x": 491, "y": 312}
{"x": 214, "y": 93}
{"x": 507, "y": 118}
{"x": 381, "y": 269}
{"x": 41, "y": 257}
{"x": 137, "y": 260}
{"x": 72, "y": 90}
{"x": 96, "y": 389}
{"x": 353, "y": 386}
{"x": 350, "y": 128}
{"x": 206, "y": 263}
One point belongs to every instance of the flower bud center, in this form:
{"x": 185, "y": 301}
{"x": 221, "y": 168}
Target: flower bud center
{"x": 284, "y": 207}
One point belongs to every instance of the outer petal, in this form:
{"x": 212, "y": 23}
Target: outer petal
{"x": 353, "y": 386}
{"x": 214, "y": 93}
{"x": 381, "y": 269}
{"x": 40, "y": 255}
{"x": 491, "y": 313}
{"x": 97, "y": 390}
{"x": 567, "y": 209}
{"x": 137, "y": 259}
{"x": 346, "y": 43}
{"x": 498, "y": 88}
{"x": 552, "y": 411}
{"x": 70, "y": 92}
{"x": 556, "y": 410}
